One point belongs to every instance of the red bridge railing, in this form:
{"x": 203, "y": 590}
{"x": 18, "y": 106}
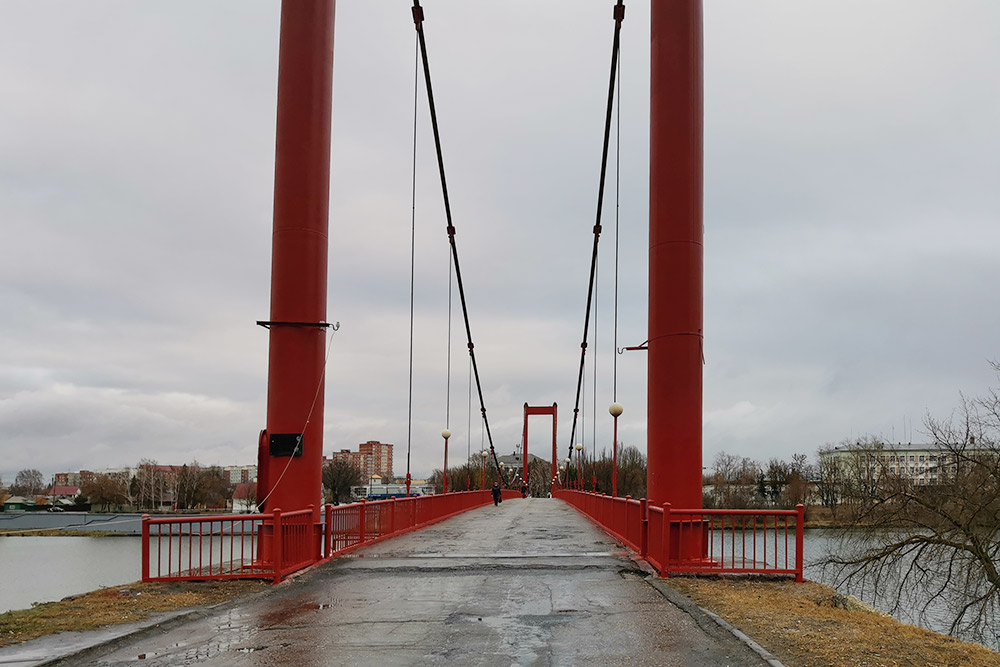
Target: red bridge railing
{"x": 274, "y": 545}
{"x": 700, "y": 540}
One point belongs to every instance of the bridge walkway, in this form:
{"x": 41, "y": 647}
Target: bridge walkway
{"x": 530, "y": 582}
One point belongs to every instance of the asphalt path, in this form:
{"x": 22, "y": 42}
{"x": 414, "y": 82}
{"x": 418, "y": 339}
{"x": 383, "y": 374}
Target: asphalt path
{"x": 530, "y": 582}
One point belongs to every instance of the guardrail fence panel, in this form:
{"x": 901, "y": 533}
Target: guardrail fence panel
{"x": 276, "y": 544}
{"x": 699, "y": 540}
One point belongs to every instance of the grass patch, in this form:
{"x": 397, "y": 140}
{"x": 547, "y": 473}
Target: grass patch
{"x": 118, "y": 605}
{"x": 802, "y": 626}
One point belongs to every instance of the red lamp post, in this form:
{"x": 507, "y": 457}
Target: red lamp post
{"x": 616, "y": 410}
{"x": 579, "y": 468}
{"x": 484, "y": 455}
{"x": 445, "y": 434}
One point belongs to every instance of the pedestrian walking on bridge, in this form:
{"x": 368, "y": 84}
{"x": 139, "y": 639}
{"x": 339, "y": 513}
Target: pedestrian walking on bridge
{"x": 496, "y": 494}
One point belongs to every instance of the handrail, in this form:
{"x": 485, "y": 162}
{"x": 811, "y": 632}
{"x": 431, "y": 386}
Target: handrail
{"x": 276, "y": 544}
{"x": 699, "y": 540}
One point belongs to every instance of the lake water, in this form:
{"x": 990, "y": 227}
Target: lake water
{"x": 43, "y": 569}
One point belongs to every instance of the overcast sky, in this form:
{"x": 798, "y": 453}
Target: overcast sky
{"x": 851, "y": 223}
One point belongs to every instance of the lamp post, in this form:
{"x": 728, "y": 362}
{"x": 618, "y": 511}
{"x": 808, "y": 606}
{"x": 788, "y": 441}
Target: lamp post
{"x": 562, "y": 480}
{"x": 566, "y": 466}
{"x": 484, "y": 454}
{"x": 445, "y": 434}
{"x": 503, "y": 478}
{"x": 579, "y": 468}
{"x": 616, "y": 410}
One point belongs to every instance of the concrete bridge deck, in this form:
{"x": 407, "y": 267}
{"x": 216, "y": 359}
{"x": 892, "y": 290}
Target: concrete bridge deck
{"x": 530, "y": 582}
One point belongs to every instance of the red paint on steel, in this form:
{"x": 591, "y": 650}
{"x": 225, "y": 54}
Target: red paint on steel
{"x": 299, "y": 251}
{"x": 663, "y": 535}
{"x": 530, "y": 410}
{"x": 614, "y": 463}
{"x": 800, "y": 521}
{"x": 674, "y": 410}
{"x": 145, "y": 547}
{"x": 445, "y": 483}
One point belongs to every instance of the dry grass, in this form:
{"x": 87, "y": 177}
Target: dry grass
{"x": 800, "y": 625}
{"x": 117, "y": 605}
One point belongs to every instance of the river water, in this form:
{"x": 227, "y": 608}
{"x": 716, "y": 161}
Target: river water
{"x": 43, "y": 569}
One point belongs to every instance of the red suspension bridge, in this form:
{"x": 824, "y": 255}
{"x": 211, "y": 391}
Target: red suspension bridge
{"x": 669, "y": 529}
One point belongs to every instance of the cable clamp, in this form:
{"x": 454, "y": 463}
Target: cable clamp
{"x": 619, "y": 12}
{"x": 597, "y": 230}
{"x": 322, "y": 325}
{"x": 451, "y": 231}
{"x": 418, "y": 14}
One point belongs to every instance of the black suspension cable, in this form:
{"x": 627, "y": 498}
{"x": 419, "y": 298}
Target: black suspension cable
{"x": 619, "y": 17}
{"x": 418, "y": 21}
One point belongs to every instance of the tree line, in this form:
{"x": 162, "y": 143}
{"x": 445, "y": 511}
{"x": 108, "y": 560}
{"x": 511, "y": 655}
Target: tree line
{"x": 149, "y": 487}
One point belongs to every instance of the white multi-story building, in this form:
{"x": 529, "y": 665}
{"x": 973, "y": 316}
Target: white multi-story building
{"x": 922, "y": 465}
{"x": 241, "y": 474}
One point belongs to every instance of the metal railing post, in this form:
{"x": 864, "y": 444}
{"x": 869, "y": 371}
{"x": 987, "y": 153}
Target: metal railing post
{"x": 392, "y": 515}
{"x": 643, "y": 528}
{"x": 278, "y": 546}
{"x": 328, "y": 541}
{"x": 145, "y": 548}
{"x": 800, "y": 522}
{"x": 362, "y": 517}
{"x": 665, "y": 558}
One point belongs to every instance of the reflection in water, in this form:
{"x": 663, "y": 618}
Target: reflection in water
{"x": 917, "y": 604}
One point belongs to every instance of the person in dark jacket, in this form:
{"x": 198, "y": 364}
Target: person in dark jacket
{"x": 524, "y": 489}
{"x": 496, "y": 494}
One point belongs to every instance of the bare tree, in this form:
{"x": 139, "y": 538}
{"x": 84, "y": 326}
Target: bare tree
{"x": 735, "y": 482}
{"x": 109, "y": 492}
{"x": 830, "y": 481}
{"x": 214, "y": 488}
{"x": 186, "y": 492}
{"x": 338, "y": 478}
{"x": 936, "y": 545}
{"x": 28, "y": 482}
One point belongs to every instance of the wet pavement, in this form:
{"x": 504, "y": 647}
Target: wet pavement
{"x": 530, "y": 582}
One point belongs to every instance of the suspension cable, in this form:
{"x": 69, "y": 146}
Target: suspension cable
{"x": 413, "y": 245}
{"x": 593, "y": 412}
{"x": 468, "y": 453}
{"x": 619, "y": 16}
{"x": 447, "y": 409}
{"x": 418, "y": 20}
{"x": 618, "y": 166}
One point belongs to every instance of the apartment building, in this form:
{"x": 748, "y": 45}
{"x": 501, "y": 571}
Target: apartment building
{"x": 372, "y": 458}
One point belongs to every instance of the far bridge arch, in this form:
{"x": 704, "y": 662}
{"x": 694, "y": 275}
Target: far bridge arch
{"x": 538, "y": 410}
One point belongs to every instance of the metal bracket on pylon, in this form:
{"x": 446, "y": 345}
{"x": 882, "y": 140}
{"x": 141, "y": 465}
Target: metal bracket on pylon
{"x": 642, "y": 347}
